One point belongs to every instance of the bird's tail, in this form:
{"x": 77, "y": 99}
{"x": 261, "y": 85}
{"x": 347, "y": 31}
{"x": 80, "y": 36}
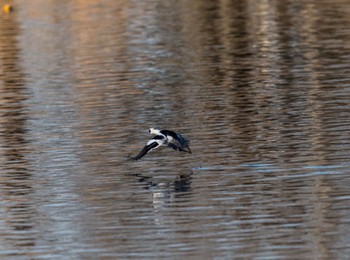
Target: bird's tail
{"x": 188, "y": 151}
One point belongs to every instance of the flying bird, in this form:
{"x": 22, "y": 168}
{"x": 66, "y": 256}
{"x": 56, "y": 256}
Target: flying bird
{"x": 167, "y": 138}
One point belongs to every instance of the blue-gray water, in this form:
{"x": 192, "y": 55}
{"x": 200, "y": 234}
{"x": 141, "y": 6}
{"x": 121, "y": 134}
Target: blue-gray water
{"x": 261, "y": 88}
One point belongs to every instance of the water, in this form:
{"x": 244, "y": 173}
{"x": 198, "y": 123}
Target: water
{"x": 261, "y": 88}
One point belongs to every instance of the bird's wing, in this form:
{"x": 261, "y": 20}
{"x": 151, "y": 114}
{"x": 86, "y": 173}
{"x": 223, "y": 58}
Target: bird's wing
{"x": 152, "y": 144}
{"x": 174, "y": 146}
{"x": 176, "y": 138}
{"x": 176, "y": 141}
{"x": 177, "y": 146}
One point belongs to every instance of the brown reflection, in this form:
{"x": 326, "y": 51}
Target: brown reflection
{"x": 249, "y": 78}
{"x": 15, "y": 168}
{"x": 270, "y": 91}
{"x": 101, "y": 82}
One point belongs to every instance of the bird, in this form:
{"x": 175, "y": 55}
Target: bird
{"x": 164, "y": 137}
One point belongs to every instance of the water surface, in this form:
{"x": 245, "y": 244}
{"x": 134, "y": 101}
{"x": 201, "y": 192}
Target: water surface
{"x": 261, "y": 88}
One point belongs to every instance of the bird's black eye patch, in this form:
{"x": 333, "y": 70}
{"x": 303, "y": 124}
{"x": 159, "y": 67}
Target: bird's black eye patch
{"x": 149, "y": 131}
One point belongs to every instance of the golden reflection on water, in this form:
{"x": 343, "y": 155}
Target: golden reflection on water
{"x": 16, "y": 178}
{"x": 260, "y": 87}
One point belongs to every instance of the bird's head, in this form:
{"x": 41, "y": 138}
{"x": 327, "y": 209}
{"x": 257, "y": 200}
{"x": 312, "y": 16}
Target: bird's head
{"x": 153, "y": 131}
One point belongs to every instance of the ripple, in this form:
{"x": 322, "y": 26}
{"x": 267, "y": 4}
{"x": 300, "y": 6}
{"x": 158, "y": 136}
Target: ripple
{"x": 261, "y": 89}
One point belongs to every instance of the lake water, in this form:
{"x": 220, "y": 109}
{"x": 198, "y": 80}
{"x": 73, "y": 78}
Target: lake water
{"x": 261, "y": 88}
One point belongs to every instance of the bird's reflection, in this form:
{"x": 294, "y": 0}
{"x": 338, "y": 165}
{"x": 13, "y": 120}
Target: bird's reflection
{"x": 181, "y": 183}
{"x": 166, "y": 192}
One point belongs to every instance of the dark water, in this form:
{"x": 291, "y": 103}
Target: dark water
{"x": 261, "y": 88}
